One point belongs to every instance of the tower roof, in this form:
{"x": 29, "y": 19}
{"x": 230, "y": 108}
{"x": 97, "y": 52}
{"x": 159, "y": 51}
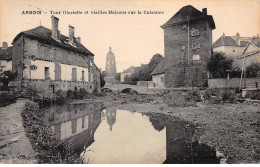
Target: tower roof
{"x": 189, "y": 13}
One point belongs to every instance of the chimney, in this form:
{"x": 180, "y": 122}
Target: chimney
{"x": 223, "y": 34}
{"x": 5, "y": 45}
{"x": 55, "y": 33}
{"x": 204, "y": 11}
{"x": 71, "y": 34}
{"x": 237, "y": 38}
{"x": 78, "y": 39}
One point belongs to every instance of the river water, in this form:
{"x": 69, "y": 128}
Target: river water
{"x": 114, "y": 136}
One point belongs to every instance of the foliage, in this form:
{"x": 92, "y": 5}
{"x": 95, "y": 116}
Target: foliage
{"x": 219, "y": 65}
{"x": 143, "y": 73}
{"x": 235, "y": 73}
{"x": 156, "y": 59}
{"x": 60, "y": 97}
{"x": 5, "y": 78}
{"x": 253, "y": 70}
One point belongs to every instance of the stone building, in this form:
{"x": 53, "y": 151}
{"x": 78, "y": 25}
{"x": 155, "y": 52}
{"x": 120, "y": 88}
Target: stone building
{"x": 187, "y": 47}
{"x": 48, "y": 61}
{"x": 251, "y": 54}
{"x": 234, "y": 46}
{"x": 127, "y": 73}
{"x": 158, "y": 75}
{"x": 5, "y": 58}
{"x": 110, "y": 68}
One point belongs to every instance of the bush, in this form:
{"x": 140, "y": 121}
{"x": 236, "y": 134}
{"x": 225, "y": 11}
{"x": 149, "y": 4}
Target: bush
{"x": 70, "y": 94}
{"x": 228, "y": 96}
{"x": 82, "y": 93}
{"x": 60, "y": 97}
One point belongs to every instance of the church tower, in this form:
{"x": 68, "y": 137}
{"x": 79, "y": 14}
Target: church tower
{"x": 110, "y": 67}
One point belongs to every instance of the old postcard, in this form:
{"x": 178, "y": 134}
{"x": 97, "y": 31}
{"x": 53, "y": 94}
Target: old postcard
{"x": 129, "y": 82}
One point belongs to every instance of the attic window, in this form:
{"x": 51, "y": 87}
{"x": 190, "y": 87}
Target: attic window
{"x": 184, "y": 27}
{"x": 182, "y": 47}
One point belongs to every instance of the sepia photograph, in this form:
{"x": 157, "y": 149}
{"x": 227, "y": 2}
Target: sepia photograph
{"x": 130, "y": 82}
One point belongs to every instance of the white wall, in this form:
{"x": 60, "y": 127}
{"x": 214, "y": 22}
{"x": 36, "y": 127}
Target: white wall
{"x": 66, "y": 72}
{"x": 158, "y": 80}
{"x": 6, "y": 65}
{"x": 39, "y": 72}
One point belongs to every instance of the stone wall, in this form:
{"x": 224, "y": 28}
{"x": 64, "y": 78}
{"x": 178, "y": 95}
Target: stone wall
{"x": 233, "y": 83}
{"x": 146, "y": 84}
{"x": 158, "y": 80}
{"x": 33, "y": 59}
{"x": 181, "y": 67}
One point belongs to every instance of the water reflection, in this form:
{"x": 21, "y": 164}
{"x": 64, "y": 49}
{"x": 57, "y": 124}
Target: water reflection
{"x": 75, "y": 123}
{"x": 179, "y": 146}
{"x": 118, "y": 136}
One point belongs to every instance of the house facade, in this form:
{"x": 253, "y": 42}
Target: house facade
{"x": 234, "y": 46}
{"x": 158, "y": 75}
{"x": 48, "y": 61}
{"x": 5, "y": 58}
{"x": 127, "y": 73}
{"x": 187, "y": 47}
{"x": 251, "y": 54}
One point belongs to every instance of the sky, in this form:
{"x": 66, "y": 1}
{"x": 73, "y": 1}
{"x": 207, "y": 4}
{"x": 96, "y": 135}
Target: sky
{"x": 134, "y": 38}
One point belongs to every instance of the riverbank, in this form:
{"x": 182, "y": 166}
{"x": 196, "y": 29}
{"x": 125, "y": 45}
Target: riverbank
{"x": 230, "y": 128}
{"x": 15, "y": 147}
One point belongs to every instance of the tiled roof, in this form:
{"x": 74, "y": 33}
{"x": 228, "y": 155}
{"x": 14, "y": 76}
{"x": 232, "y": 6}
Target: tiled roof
{"x": 6, "y": 54}
{"x": 159, "y": 69}
{"x": 129, "y": 70}
{"x": 189, "y": 12}
{"x": 44, "y": 34}
{"x": 225, "y": 41}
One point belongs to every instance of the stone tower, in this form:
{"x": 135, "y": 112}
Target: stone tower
{"x": 187, "y": 47}
{"x": 110, "y": 67}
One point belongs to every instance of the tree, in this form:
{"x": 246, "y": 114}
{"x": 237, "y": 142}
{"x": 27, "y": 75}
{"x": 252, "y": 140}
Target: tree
{"x": 219, "y": 65}
{"x": 156, "y": 59}
{"x": 253, "y": 70}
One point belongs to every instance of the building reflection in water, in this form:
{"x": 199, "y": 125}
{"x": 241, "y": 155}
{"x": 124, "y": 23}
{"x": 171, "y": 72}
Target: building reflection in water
{"x": 180, "y": 148}
{"x": 75, "y": 123}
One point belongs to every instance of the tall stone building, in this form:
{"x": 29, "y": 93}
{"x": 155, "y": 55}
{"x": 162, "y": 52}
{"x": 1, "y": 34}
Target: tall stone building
{"x": 187, "y": 47}
{"x": 48, "y": 61}
{"x": 110, "y": 68}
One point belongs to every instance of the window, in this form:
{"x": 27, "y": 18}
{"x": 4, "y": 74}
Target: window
{"x": 83, "y": 78}
{"x": 193, "y": 45}
{"x": 194, "y": 32}
{"x": 83, "y": 122}
{"x": 33, "y": 67}
{"x": 196, "y": 57}
{"x": 47, "y": 72}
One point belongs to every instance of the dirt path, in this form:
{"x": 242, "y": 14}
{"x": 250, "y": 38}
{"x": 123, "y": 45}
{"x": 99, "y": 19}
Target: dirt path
{"x": 15, "y": 147}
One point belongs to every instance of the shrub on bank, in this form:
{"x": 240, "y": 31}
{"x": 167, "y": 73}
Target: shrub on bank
{"x": 48, "y": 147}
